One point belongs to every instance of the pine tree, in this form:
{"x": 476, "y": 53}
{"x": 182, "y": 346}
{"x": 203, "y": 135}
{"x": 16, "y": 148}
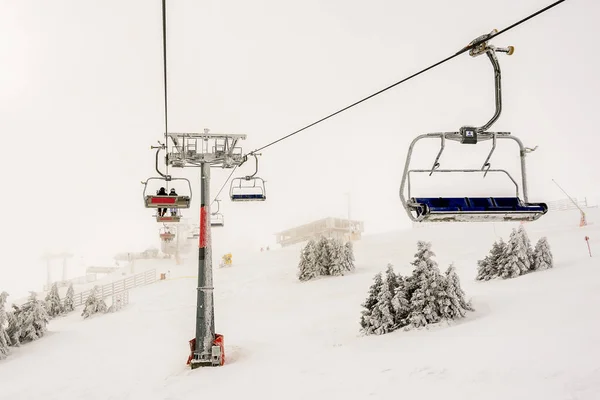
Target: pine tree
{"x": 322, "y": 256}
{"x": 14, "y": 326}
{"x": 423, "y": 255}
{"x": 53, "y": 303}
{"x": 391, "y": 278}
{"x": 454, "y": 304}
{"x": 69, "y": 304}
{"x": 488, "y": 267}
{"x": 515, "y": 258}
{"x": 307, "y": 267}
{"x": 336, "y": 257}
{"x": 427, "y": 294}
{"x": 527, "y": 245}
{"x": 543, "y": 256}
{"x": 33, "y": 319}
{"x": 382, "y": 318}
{"x": 370, "y": 303}
{"x": 93, "y": 304}
{"x": 348, "y": 263}
{"x": 400, "y": 302}
{"x": 4, "y": 338}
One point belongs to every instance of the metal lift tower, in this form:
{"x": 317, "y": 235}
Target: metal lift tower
{"x": 205, "y": 150}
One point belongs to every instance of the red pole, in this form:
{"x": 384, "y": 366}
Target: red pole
{"x": 587, "y": 239}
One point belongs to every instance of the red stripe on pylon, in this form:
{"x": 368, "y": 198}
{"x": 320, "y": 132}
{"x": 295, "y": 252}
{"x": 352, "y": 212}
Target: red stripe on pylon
{"x": 202, "y": 241}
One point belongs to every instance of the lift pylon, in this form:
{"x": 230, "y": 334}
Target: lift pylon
{"x": 205, "y": 150}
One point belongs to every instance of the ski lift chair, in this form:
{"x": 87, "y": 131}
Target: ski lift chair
{"x": 473, "y": 209}
{"x": 248, "y": 188}
{"x": 216, "y": 218}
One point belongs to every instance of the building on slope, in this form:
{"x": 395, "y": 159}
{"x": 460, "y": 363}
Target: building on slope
{"x": 339, "y": 228}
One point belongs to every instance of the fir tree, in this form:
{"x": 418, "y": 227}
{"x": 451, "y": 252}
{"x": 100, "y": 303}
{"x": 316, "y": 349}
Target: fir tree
{"x": 69, "y": 304}
{"x": 4, "y": 338}
{"x": 336, "y": 257}
{"x": 93, "y": 304}
{"x": 427, "y": 294}
{"x": 527, "y": 245}
{"x": 400, "y": 302}
{"x": 488, "y": 267}
{"x": 370, "y": 303}
{"x": 322, "y": 256}
{"x": 454, "y": 305}
{"x": 515, "y": 258}
{"x": 391, "y": 278}
{"x": 14, "y": 326}
{"x": 423, "y": 255}
{"x": 53, "y": 303}
{"x": 307, "y": 267}
{"x": 33, "y": 319}
{"x": 382, "y": 319}
{"x": 348, "y": 263}
{"x": 543, "y": 256}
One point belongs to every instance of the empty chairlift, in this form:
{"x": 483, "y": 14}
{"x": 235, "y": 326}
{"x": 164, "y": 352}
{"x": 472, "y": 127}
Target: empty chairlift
{"x": 216, "y": 218}
{"x": 512, "y": 208}
{"x": 248, "y": 188}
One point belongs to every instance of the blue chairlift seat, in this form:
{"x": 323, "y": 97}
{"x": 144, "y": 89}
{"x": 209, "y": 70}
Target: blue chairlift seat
{"x": 477, "y": 208}
{"x": 248, "y": 197}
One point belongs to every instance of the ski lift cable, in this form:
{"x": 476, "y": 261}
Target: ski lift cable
{"x": 164, "y": 37}
{"x": 465, "y": 49}
{"x": 224, "y": 184}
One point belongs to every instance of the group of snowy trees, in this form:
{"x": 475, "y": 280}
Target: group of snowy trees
{"x": 29, "y": 321}
{"x": 327, "y": 256}
{"x": 23, "y": 324}
{"x": 515, "y": 258}
{"x": 425, "y": 297}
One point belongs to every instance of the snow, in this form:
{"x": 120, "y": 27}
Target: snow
{"x": 531, "y": 337}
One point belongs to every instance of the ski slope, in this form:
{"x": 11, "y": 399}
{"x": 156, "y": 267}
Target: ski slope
{"x": 532, "y": 337}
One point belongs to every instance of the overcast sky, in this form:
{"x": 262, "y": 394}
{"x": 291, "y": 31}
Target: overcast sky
{"x": 81, "y": 101}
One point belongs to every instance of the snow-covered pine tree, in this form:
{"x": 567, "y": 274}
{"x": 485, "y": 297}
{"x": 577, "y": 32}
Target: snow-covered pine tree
{"x": 423, "y": 254}
{"x": 382, "y": 319}
{"x": 427, "y": 295}
{"x": 527, "y": 244}
{"x": 14, "y": 326}
{"x": 53, "y": 303}
{"x": 322, "y": 255}
{"x": 336, "y": 257}
{"x": 93, "y": 304}
{"x": 400, "y": 302}
{"x": 69, "y": 304}
{"x": 4, "y": 338}
{"x": 33, "y": 318}
{"x": 514, "y": 261}
{"x": 307, "y": 268}
{"x": 488, "y": 267}
{"x": 348, "y": 264}
{"x": 391, "y": 278}
{"x": 370, "y": 303}
{"x": 543, "y": 256}
{"x": 454, "y": 305}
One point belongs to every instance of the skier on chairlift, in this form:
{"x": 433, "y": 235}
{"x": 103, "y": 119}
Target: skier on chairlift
{"x": 161, "y": 211}
{"x": 173, "y": 210}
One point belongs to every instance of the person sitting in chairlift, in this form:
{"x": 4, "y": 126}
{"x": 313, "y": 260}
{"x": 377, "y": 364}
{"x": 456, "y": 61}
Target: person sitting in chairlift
{"x": 161, "y": 211}
{"x": 173, "y": 210}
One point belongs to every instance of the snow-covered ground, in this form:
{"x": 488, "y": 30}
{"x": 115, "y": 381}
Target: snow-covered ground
{"x": 532, "y": 337}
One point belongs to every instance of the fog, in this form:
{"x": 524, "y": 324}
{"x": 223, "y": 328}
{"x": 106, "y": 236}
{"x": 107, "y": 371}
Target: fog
{"x": 81, "y": 102}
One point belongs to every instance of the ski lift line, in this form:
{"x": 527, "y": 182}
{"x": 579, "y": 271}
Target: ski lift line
{"x": 164, "y": 37}
{"x": 465, "y": 49}
{"x": 224, "y": 184}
